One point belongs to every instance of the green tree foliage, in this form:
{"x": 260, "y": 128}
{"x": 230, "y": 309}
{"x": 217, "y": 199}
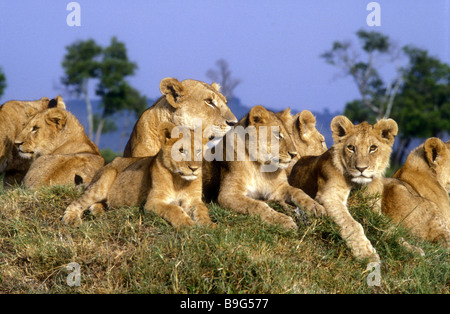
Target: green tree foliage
{"x": 418, "y": 98}
{"x": 85, "y": 60}
{"x": 357, "y": 112}
{"x": 422, "y": 108}
{"x": 113, "y": 88}
{"x": 81, "y": 64}
{"x": 2, "y": 82}
{"x": 377, "y": 96}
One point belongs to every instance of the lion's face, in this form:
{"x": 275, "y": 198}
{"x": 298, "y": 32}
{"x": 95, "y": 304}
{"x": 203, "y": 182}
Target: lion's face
{"x": 38, "y": 136}
{"x": 194, "y": 100}
{"x": 362, "y": 151}
{"x": 271, "y": 134}
{"x": 307, "y": 140}
{"x": 182, "y": 151}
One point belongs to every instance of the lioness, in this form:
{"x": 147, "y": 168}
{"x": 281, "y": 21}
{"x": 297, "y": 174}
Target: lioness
{"x": 359, "y": 156}
{"x": 259, "y": 176}
{"x": 306, "y": 138}
{"x": 60, "y": 151}
{"x": 170, "y": 188}
{"x": 12, "y": 116}
{"x": 417, "y": 195}
{"x": 181, "y": 103}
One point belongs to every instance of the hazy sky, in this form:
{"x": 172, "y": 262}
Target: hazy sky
{"x": 272, "y": 46}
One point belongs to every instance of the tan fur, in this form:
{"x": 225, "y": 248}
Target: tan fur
{"x": 417, "y": 195}
{"x": 13, "y": 114}
{"x": 243, "y": 185}
{"x": 330, "y": 177}
{"x": 60, "y": 151}
{"x": 181, "y": 103}
{"x": 172, "y": 189}
{"x": 306, "y": 138}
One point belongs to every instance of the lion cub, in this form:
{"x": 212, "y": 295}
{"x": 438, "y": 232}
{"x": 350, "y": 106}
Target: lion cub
{"x": 169, "y": 184}
{"x": 306, "y": 138}
{"x": 12, "y": 116}
{"x": 417, "y": 195}
{"x": 359, "y": 156}
{"x": 258, "y": 175}
{"x": 60, "y": 150}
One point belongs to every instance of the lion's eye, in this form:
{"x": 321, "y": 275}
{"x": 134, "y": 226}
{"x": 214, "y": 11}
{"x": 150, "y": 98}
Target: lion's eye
{"x": 278, "y": 135}
{"x": 210, "y": 102}
{"x": 373, "y": 148}
{"x": 35, "y": 128}
{"x": 182, "y": 150}
{"x": 351, "y": 148}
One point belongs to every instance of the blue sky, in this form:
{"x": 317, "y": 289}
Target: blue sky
{"x": 272, "y": 46}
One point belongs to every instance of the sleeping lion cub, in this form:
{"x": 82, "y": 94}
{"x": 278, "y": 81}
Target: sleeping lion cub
{"x": 359, "y": 156}
{"x": 417, "y": 195}
{"x": 170, "y": 188}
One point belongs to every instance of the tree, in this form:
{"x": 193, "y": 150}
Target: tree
{"x": 81, "y": 63}
{"x": 376, "y": 95}
{"x": 2, "y": 82}
{"x": 115, "y": 92}
{"x": 420, "y": 90}
{"x": 222, "y": 76}
{"x": 422, "y": 106}
{"x": 85, "y": 61}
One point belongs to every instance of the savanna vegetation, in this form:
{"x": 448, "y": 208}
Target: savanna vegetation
{"x": 128, "y": 250}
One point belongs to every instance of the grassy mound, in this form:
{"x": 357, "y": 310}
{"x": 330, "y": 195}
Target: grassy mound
{"x": 127, "y": 250}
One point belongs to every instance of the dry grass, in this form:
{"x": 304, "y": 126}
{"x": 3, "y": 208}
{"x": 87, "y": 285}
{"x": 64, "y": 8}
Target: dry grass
{"x": 129, "y": 251}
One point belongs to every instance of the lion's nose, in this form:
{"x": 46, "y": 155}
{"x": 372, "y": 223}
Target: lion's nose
{"x": 193, "y": 168}
{"x": 361, "y": 169}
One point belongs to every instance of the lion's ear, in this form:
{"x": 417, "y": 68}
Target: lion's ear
{"x": 285, "y": 115}
{"x": 434, "y": 149}
{"x": 388, "y": 129}
{"x": 216, "y": 86}
{"x": 173, "y": 90}
{"x": 340, "y": 127}
{"x": 165, "y": 131}
{"x": 56, "y": 117}
{"x": 258, "y": 115}
{"x": 57, "y": 103}
{"x": 306, "y": 123}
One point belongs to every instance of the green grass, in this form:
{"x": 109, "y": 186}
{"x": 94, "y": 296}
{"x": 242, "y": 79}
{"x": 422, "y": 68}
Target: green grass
{"x": 129, "y": 251}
